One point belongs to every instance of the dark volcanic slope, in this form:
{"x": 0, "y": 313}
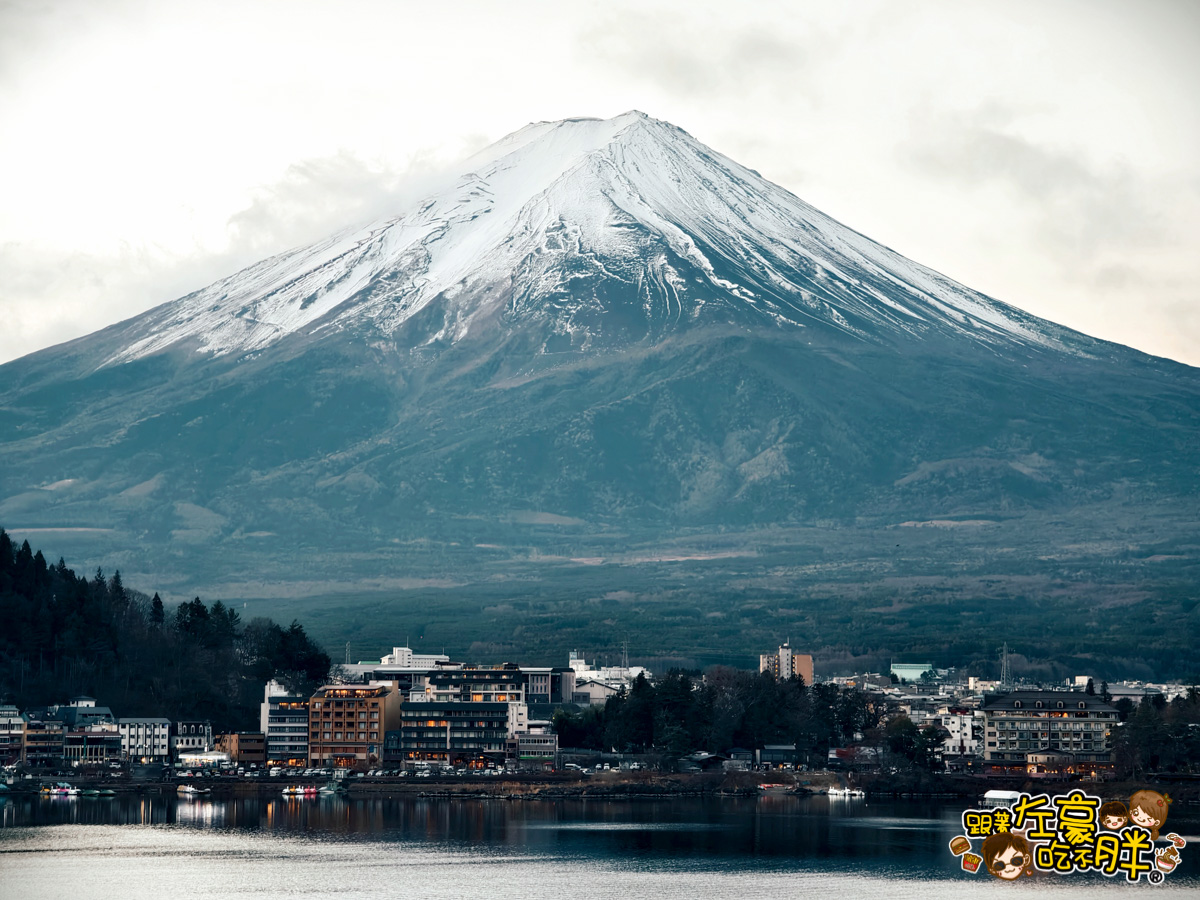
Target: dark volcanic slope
{"x": 604, "y": 337}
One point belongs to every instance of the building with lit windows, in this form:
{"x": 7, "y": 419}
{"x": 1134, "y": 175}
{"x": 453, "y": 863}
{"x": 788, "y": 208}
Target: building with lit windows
{"x": 462, "y": 716}
{"x": 283, "y": 718}
{"x": 346, "y": 724}
{"x": 1021, "y": 726}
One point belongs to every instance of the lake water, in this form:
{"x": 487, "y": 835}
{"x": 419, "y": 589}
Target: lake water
{"x": 133, "y": 847}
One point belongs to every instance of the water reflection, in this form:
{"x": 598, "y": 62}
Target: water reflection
{"x": 663, "y": 849}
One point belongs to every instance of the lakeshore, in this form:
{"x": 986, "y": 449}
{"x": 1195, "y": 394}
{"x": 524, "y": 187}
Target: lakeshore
{"x": 1184, "y": 791}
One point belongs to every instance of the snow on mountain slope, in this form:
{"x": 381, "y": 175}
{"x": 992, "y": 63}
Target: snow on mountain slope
{"x": 556, "y": 206}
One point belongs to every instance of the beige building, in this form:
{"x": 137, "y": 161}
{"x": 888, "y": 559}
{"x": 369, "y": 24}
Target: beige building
{"x": 787, "y": 663}
{"x": 1021, "y": 726}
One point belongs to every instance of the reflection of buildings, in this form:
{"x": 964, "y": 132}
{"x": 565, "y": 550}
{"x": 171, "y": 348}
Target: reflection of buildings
{"x": 787, "y": 663}
{"x": 283, "y": 719}
{"x": 1048, "y": 733}
{"x": 346, "y": 723}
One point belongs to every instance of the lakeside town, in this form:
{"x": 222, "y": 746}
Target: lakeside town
{"x": 412, "y": 715}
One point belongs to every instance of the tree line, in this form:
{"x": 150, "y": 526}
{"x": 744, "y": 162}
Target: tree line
{"x": 1157, "y": 736}
{"x": 728, "y": 708}
{"x": 63, "y": 635}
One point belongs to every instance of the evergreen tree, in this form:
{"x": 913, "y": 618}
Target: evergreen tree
{"x": 157, "y": 614}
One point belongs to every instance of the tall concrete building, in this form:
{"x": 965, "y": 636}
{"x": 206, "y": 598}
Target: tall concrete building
{"x": 283, "y": 719}
{"x": 787, "y": 663}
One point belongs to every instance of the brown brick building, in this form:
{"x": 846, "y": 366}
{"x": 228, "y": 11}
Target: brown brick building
{"x": 244, "y": 747}
{"x": 346, "y": 724}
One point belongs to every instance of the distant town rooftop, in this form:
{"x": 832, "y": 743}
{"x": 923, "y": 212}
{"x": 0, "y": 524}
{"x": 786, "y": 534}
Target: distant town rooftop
{"x": 1026, "y": 700}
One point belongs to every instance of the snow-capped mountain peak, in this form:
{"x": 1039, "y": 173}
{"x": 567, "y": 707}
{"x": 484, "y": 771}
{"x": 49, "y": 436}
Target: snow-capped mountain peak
{"x": 563, "y": 221}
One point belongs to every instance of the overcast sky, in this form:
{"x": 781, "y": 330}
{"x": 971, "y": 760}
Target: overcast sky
{"x": 1046, "y": 153}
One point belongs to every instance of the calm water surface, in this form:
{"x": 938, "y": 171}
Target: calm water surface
{"x": 131, "y": 847}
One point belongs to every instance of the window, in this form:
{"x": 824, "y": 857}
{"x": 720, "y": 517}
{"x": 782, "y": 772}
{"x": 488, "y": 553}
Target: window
{"x": 1082, "y": 704}
{"x": 1016, "y": 704}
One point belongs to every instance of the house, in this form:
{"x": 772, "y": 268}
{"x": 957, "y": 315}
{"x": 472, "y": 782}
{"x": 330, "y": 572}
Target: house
{"x": 191, "y": 737}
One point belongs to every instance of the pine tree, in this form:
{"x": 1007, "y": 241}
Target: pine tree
{"x": 157, "y": 615}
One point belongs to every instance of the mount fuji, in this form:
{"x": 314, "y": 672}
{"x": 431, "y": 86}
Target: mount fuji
{"x": 603, "y": 343}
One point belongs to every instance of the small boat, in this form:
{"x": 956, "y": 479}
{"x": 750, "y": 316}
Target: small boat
{"x": 108, "y": 792}
{"x": 189, "y": 790}
{"x": 300, "y": 790}
{"x": 89, "y": 792}
{"x": 61, "y": 789}
{"x": 1001, "y": 798}
{"x": 767, "y": 786}
{"x": 846, "y": 792}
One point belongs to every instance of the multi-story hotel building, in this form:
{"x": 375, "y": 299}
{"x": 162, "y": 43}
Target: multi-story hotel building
{"x": 283, "y": 718}
{"x": 346, "y": 724}
{"x": 1077, "y": 727}
{"x": 462, "y": 715}
{"x": 452, "y": 732}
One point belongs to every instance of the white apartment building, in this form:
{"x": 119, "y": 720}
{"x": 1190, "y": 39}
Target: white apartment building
{"x": 146, "y": 739}
{"x": 283, "y": 720}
